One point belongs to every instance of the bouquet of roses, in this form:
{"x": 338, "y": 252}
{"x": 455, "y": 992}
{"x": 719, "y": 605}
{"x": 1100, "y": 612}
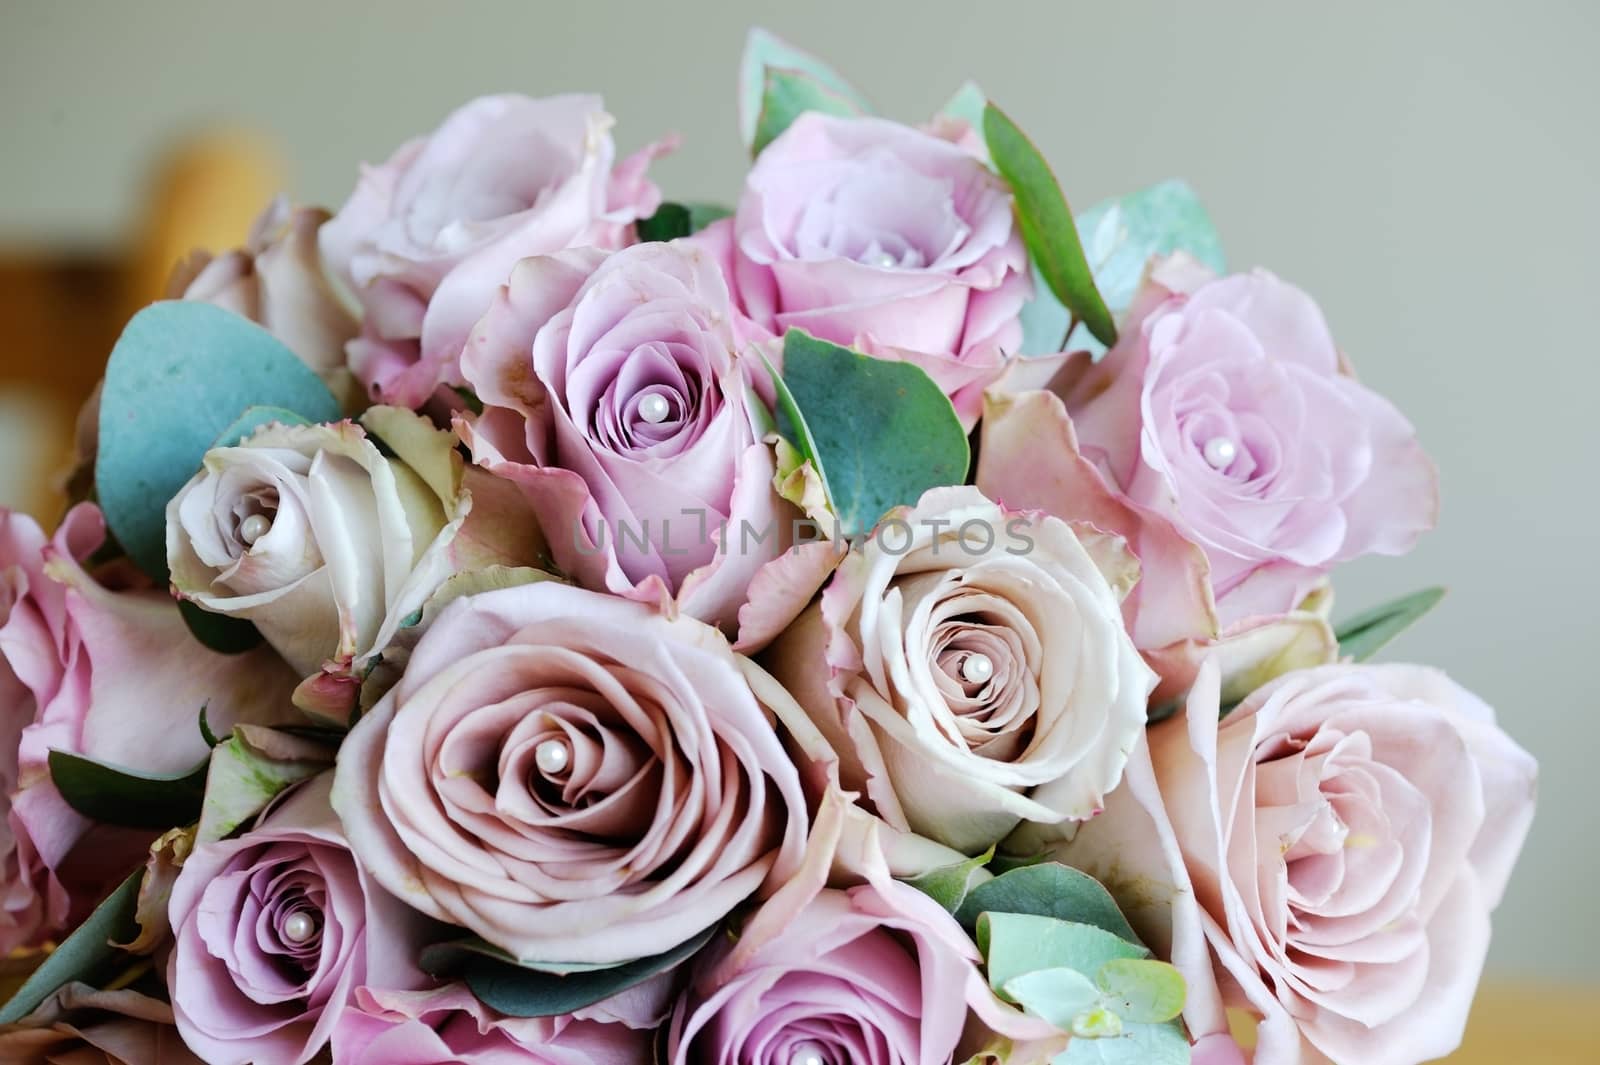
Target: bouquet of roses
{"x": 518, "y": 618}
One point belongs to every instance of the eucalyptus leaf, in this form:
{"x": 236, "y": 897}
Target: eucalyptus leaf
{"x": 86, "y": 955}
{"x": 1142, "y": 990}
{"x": 524, "y": 991}
{"x": 787, "y": 95}
{"x": 764, "y": 51}
{"x": 880, "y": 433}
{"x": 1139, "y": 1044}
{"x": 1056, "y": 995}
{"x": 219, "y": 632}
{"x": 949, "y": 885}
{"x": 243, "y": 779}
{"x": 1048, "y": 889}
{"x": 253, "y": 418}
{"x": 1364, "y": 635}
{"x": 178, "y": 377}
{"x": 670, "y": 222}
{"x": 1046, "y": 223}
{"x": 967, "y": 104}
{"x": 1018, "y": 943}
{"x": 114, "y": 795}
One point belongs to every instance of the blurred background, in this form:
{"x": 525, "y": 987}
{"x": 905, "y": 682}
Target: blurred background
{"x": 1430, "y": 171}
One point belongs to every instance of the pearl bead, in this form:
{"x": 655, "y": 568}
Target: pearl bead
{"x": 254, "y": 528}
{"x": 299, "y": 927}
{"x": 552, "y": 756}
{"x": 976, "y": 669}
{"x": 1220, "y": 452}
{"x": 654, "y": 408}
{"x": 807, "y": 1054}
{"x": 883, "y": 261}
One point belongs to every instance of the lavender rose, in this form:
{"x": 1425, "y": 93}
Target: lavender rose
{"x": 969, "y": 666}
{"x": 618, "y": 394}
{"x": 866, "y": 232}
{"x": 1326, "y": 858}
{"x": 427, "y": 238}
{"x": 573, "y": 777}
{"x": 274, "y": 931}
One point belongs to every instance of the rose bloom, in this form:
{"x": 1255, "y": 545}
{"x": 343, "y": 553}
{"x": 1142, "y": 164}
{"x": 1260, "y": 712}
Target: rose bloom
{"x": 79, "y": 1025}
{"x": 68, "y": 644}
{"x": 277, "y": 281}
{"x": 274, "y": 930}
{"x": 869, "y": 233}
{"x": 877, "y": 974}
{"x": 970, "y": 667}
{"x": 449, "y": 1026}
{"x": 617, "y": 394}
{"x": 327, "y": 543}
{"x": 1331, "y": 852}
{"x": 573, "y": 777}
{"x": 427, "y": 238}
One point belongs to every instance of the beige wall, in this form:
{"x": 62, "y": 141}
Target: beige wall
{"x": 1427, "y": 169}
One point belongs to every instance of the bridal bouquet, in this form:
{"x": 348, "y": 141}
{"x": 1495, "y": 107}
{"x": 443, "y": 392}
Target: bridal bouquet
{"x": 884, "y": 620}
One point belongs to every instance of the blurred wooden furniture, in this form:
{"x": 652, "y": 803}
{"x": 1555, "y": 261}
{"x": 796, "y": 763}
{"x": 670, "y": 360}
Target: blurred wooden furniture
{"x": 61, "y": 312}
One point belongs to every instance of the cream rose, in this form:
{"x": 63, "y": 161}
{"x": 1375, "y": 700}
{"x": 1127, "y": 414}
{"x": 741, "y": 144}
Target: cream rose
{"x": 327, "y": 541}
{"x": 970, "y": 667}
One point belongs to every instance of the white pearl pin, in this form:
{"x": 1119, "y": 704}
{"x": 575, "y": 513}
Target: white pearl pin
{"x": 298, "y": 928}
{"x": 552, "y": 756}
{"x": 254, "y": 528}
{"x": 654, "y": 408}
{"x": 976, "y": 669}
{"x": 806, "y": 1054}
{"x": 883, "y": 261}
{"x": 1220, "y": 452}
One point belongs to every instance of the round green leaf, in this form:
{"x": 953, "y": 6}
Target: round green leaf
{"x": 1049, "y": 889}
{"x": 1142, "y": 990}
{"x": 764, "y": 52}
{"x": 1057, "y": 995}
{"x": 179, "y": 376}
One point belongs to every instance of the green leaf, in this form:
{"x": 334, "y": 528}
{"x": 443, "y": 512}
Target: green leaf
{"x": 763, "y": 52}
{"x": 880, "y": 433}
{"x": 1139, "y": 1044}
{"x": 790, "y": 94}
{"x": 1121, "y": 235}
{"x": 179, "y": 376}
{"x": 1142, "y": 990}
{"x": 950, "y": 884}
{"x": 85, "y": 955}
{"x": 1049, "y": 889}
{"x": 114, "y": 795}
{"x": 1057, "y": 995}
{"x": 252, "y": 419}
{"x": 967, "y": 104}
{"x": 1046, "y": 223}
{"x": 670, "y": 222}
{"x": 1364, "y": 635}
{"x": 1017, "y": 943}
{"x": 243, "y": 779}
{"x": 219, "y": 632}
{"x": 548, "y": 990}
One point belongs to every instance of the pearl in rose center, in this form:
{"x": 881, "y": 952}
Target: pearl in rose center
{"x": 883, "y": 261}
{"x": 654, "y": 408}
{"x": 806, "y": 1054}
{"x": 299, "y": 927}
{"x": 254, "y": 528}
{"x": 552, "y": 756}
{"x": 976, "y": 669}
{"x": 1220, "y": 452}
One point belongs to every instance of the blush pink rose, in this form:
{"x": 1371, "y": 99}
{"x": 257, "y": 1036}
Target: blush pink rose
{"x": 573, "y": 777}
{"x": 879, "y": 973}
{"x": 1325, "y": 859}
{"x": 272, "y": 933}
{"x": 869, "y": 233}
{"x": 1227, "y": 408}
{"x": 449, "y": 1026}
{"x": 428, "y": 237}
{"x": 68, "y": 643}
{"x": 618, "y": 395}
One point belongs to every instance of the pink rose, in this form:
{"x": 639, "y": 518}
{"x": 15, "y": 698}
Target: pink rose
{"x": 79, "y": 1025}
{"x": 877, "y": 974}
{"x": 1331, "y": 851}
{"x": 427, "y": 238}
{"x": 1227, "y": 408}
{"x": 618, "y": 396}
{"x": 68, "y": 643}
{"x": 274, "y": 931}
{"x": 277, "y": 281}
{"x": 869, "y": 233}
{"x": 573, "y": 777}
{"x": 449, "y": 1026}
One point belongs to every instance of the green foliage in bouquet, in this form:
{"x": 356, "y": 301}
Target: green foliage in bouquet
{"x": 89, "y": 954}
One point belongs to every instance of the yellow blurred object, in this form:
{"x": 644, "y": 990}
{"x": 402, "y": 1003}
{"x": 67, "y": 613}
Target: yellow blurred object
{"x": 63, "y": 312}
